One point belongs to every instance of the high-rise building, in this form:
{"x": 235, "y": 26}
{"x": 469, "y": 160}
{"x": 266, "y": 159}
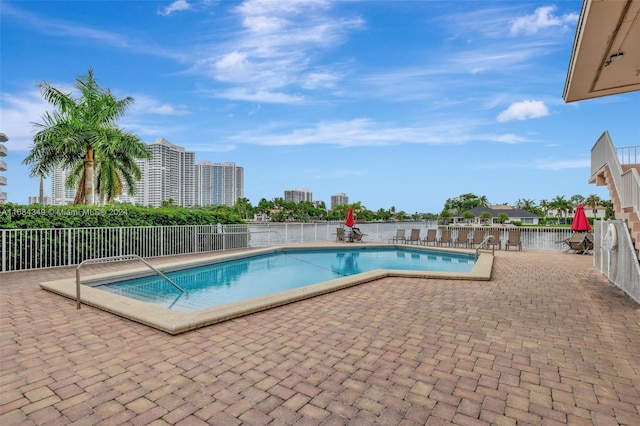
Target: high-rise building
{"x": 35, "y": 199}
{"x": 298, "y": 195}
{"x": 167, "y": 175}
{"x": 60, "y": 194}
{"x": 339, "y": 198}
{"x": 3, "y": 167}
{"x": 218, "y": 183}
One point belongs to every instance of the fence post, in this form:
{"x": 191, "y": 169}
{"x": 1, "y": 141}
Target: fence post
{"x": 69, "y": 247}
{"x": 4, "y": 250}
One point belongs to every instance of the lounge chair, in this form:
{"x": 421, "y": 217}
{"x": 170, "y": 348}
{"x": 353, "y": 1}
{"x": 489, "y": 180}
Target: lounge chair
{"x": 495, "y": 241}
{"x": 579, "y": 243}
{"x": 414, "y": 237}
{"x": 400, "y": 236}
{"x": 588, "y": 242}
{"x": 356, "y": 235}
{"x": 513, "y": 240}
{"x": 445, "y": 237}
{"x": 431, "y": 237}
{"x": 478, "y": 237}
{"x": 462, "y": 238}
{"x": 340, "y": 235}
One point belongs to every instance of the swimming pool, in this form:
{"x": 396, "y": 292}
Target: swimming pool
{"x": 174, "y": 321}
{"x": 246, "y": 278}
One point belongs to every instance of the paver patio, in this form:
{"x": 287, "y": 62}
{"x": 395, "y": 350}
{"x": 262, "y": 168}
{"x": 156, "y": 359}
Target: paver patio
{"x": 547, "y": 341}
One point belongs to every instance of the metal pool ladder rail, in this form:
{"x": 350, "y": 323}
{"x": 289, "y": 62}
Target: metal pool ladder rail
{"x": 112, "y": 258}
{"x": 486, "y": 239}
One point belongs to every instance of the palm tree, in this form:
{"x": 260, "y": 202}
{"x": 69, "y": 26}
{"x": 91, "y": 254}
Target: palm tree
{"x": 593, "y": 201}
{"x": 561, "y": 205}
{"x": 483, "y": 201}
{"x": 81, "y": 135}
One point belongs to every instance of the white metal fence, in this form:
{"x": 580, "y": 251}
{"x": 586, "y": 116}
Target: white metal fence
{"x": 615, "y": 257}
{"x": 24, "y": 249}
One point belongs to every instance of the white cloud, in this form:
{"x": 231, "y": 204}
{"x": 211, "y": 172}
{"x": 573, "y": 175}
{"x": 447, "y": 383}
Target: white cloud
{"x": 561, "y": 165}
{"x": 511, "y": 138}
{"x": 541, "y": 19}
{"x": 363, "y": 132}
{"x": 241, "y": 94}
{"x": 18, "y": 112}
{"x": 176, "y": 6}
{"x": 277, "y": 47}
{"x": 523, "y": 110}
{"x": 147, "y": 105}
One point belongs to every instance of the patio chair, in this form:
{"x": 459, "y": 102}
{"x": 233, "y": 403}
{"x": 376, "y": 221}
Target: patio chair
{"x": 578, "y": 243}
{"x": 495, "y": 241}
{"x": 588, "y": 239}
{"x": 513, "y": 240}
{"x": 462, "y": 238}
{"x": 400, "y": 236}
{"x": 478, "y": 237}
{"x": 356, "y": 235}
{"x": 431, "y": 237}
{"x": 414, "y": 237}
{"x": 340, "y": 235}
{"x": 445, "y": 237}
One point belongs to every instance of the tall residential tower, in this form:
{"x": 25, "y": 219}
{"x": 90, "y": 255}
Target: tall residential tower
{"x": 168, "y": 174}
{"x": 218, "y": 183}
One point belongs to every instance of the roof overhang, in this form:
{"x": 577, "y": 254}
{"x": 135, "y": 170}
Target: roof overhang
{"x": 606, "y": 50}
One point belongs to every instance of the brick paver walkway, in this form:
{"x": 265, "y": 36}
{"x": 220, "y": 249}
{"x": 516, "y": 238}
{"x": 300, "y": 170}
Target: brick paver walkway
{"x": 547, "y": 341}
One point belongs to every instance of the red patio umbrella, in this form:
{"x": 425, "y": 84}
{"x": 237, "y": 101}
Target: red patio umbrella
{"x": 580, "y": 222}
{"x": 349, "y": 220}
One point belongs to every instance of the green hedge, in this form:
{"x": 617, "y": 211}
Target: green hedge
{"x": 15, "y": 216}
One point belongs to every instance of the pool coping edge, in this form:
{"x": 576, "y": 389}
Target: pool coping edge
{"x": 174, "y": 322}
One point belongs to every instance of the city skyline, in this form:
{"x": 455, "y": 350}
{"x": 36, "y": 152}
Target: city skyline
{"x": 398, "y": 104}
{"x": 170, "y": 174}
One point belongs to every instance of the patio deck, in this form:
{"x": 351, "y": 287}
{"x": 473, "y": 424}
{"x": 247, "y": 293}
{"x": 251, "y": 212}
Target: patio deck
{"x": 547, "y": 341}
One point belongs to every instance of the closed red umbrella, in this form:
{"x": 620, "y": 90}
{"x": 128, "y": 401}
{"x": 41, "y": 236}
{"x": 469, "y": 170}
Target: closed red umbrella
{"x": 349, "y": 221}
{"x": 580, "y": 222}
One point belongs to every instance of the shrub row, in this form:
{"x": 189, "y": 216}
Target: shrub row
{"x": 15, "y": 216}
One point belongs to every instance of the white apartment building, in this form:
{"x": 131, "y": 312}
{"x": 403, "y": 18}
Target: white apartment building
{"x": 339, "y": 198}
{"x": 60, "y": 194}
{"x": 218, "y": 183}
{"x": 47, "y": 201}
{"x": 298, "y": 195}
{"x": 168, "y": 174}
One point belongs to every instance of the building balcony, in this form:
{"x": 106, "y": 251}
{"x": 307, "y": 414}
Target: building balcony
{"x": 3, "y": 151}
{"x": 3, "y": 166}
{"x": 3, "y": 180}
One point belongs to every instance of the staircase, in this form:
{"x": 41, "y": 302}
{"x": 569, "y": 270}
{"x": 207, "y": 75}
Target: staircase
{"x": 619, "y": 170}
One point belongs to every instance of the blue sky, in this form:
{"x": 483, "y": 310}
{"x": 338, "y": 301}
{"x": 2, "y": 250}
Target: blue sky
{"x": 396, "y": 103}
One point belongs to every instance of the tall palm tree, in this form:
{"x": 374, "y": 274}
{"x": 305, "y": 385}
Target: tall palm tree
{"x": 592, "y": 201}
{"x": 545, "y": 206}
{"x": 560, "y": 204}
{"x": 81, "y": 135}
{"x": 483, "y": 201}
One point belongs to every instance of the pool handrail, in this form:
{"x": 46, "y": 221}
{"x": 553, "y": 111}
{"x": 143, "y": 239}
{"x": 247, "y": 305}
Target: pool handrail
{"x": 114, "y": 258}
{"x": 486, "y": 240}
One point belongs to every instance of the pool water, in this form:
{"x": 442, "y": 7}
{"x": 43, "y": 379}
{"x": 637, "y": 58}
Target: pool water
{"x": 242, "y": 279}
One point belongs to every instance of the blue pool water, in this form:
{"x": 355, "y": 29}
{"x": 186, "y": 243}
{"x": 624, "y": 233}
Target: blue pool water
{"x": 242, "y": 279}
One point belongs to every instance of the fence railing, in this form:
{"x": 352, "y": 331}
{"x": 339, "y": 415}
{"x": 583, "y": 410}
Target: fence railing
{"x": 25, "y": 249}
{"x": 628, "y": 154}
{"x": 615, "y": 256}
